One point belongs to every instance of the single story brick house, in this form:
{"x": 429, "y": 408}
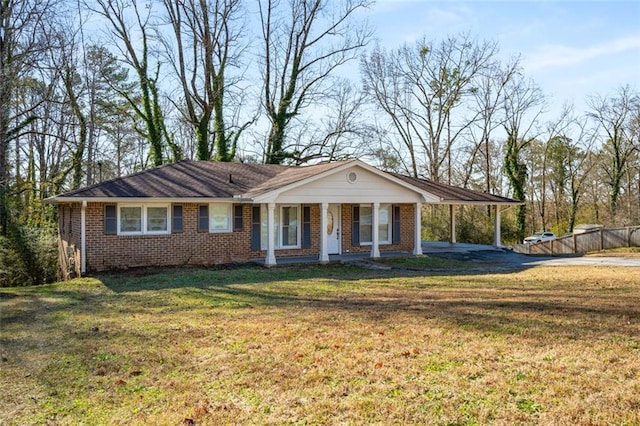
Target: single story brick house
{"x": 206, "y": 213}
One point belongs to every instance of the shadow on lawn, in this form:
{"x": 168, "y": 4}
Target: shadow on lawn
{"x": 352, "y": 290}
{"x": 319, "y": 297}
{"x": 437, "y": 264}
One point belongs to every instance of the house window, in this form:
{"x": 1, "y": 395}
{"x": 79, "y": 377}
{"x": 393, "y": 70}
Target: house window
{"x": 131, "y": 219}
{"x": 220, "y": 217}
{"x": 143, "y": 219}
{"x": 286, "y": 226}
{"x": 215, "y": 217}
{"x": 157, "y": 220}
{"x": 289, "y": 226}
{"x": 384, "y": 224}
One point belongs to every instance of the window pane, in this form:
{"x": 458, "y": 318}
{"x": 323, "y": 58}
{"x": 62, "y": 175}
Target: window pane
{"x": 263, "y": 227}
{"x": 289, "y": 226}
{"x": 130, "y": 219}
{"x": 383, "y": 224}
{"x": 365, "y": 225}
{"x": 220, "y": 220}
{"x": 156, "y": 219}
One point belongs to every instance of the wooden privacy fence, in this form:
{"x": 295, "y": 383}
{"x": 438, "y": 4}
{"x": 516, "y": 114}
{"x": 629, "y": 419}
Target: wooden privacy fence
{"x": 595, "y": 240}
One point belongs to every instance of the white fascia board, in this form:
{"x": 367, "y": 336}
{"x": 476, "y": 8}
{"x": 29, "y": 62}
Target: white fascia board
{"x": 479, "y": 203}
{"x": 63, "y": 200}
{"x": 429, "y": 198}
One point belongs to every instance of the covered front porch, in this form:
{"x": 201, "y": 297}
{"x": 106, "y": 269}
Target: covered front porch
{"x": 333, "y": 229}
{"x": 356, "y": 209}
{"x": 356, "y": 231}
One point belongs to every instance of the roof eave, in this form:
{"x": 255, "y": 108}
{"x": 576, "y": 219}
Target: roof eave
{"x": 63, "y": 200}
{"x": 481, "y": 203}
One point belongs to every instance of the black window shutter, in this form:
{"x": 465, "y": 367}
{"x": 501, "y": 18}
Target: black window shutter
{"x": 255, "y": 228}
{"x": 355, "y": 229}
{"x": 396, "y": 225}
{"x": 203, "y": 218}
{"x": 176, "y": 218}
{"x": 306, "y": 226}
{"x": 110, "y": 219}
{"x": 237, "y": 217}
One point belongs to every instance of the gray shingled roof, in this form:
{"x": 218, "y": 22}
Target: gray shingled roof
{"x": 455, "y": 194}
{"x": 199, "y": 179}
{"x": 207, "y": 179}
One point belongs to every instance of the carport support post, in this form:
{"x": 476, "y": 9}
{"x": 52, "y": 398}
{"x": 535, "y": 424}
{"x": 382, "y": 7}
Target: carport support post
{"x": 497, "y": 237}
{"x": 324, "y": 252}
{"x": 452, "y": 221}
{"x": 417, "y": 247}
{"x": 375, "y": 220}
{"x": 271, "y": 250}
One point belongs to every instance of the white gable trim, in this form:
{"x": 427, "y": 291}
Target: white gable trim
{"x": 272, "y": 196}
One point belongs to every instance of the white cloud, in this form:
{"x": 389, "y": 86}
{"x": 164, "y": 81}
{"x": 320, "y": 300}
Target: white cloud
{"x": 558, "y": 56}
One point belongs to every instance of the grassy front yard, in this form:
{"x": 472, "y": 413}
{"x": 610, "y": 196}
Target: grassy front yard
{"x": 327, "y": 345}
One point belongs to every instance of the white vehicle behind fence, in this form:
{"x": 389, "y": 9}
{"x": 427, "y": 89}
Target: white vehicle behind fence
{"x": 540, "y": 237}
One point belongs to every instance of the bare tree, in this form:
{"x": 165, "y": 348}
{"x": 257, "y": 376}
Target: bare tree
{"x": 384, "y": 84}
{"x": 614, "y": 116}
{"x": 209, "y": 41}
{"x": 522, "y": 106}
{"x": 489, "y": 98}
{"x": 422, "y": 88}
{"x": 138, "y": 56}
{"x": 304, "y": 41}
{"x": 24, "y": 25}
{"x": 337, "y": 135}
{"x": 580, "y": 163}
{"x": 548, "y": 166}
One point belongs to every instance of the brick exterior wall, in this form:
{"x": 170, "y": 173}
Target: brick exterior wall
{"x": 407, "y": 220}
{"x": 191, "y": 247}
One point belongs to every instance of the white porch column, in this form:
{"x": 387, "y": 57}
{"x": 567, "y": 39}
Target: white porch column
{"x": 452, "y": 219}
{"x": 324, "y": 250}
{"x": 375, "y": 243}
{"x": 271, "y": 240}
{"x": 83, "y": 237}
{"x": 497, "y": 231}
{"x": 417, "y": 245}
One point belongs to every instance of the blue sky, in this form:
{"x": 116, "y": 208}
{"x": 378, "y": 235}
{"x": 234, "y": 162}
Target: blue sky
{"x": 571, "y": 49}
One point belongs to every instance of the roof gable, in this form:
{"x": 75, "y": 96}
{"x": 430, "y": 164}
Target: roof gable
{"x": 332, "y": 185}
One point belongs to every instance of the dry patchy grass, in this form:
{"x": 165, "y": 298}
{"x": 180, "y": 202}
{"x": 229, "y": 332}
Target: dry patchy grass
{"x": 618, "y": 252}
{"x": 325, "y": 345}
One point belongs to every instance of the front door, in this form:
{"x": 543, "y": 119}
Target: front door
{"x": 333, "y": 229}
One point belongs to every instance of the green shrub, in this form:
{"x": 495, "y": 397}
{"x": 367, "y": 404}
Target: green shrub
{"x": 28, "y": 256}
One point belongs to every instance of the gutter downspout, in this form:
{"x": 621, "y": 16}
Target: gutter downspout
{"x": 83, "y": 238}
